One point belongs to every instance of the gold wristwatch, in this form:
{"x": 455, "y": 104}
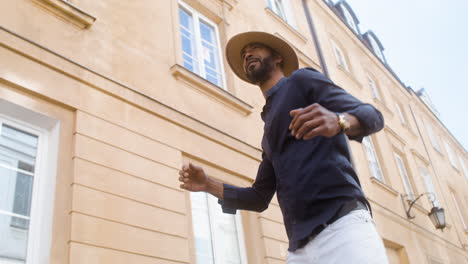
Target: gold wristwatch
{"x": 344, "y": 124}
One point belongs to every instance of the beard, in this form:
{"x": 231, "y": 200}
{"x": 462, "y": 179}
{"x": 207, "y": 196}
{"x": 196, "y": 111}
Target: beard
{"x": 261, "y": 73}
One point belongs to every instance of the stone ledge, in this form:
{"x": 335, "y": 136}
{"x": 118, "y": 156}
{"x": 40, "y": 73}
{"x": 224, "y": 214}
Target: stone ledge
{"x": 204, "y": 86}
{"x": 68, "y": 12}
{"x": 229, "y": 3}
{"x": 384, "y": 186}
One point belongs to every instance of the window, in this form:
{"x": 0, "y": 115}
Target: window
{"x": 200, "y": 45}
{"x": 374, "y": 89}
{"x": 431, "y": 134}
{"x": 376, "y": 48}
{"x": 400, "y": 114}
{"x": 404, "y": 176}
{"x": 340, "y": 57}
{"x": 218, "y": 236}
{"x": 462, "y": 164}
{"x": 461, "y": 213}
{"x": 371, "y": 154}
{"x": 19, "y": 148}
{"x": 451, "y": 156}
{"x": 283, "y": 9}
{"x": 28, "y": 154}
{"x": 349, "y": 19}
{"x": 429, "y": 186}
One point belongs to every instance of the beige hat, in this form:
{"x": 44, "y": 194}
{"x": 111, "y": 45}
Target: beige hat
{"x": 238, "y": 42}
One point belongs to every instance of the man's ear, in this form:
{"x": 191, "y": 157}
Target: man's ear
{"x": 278, "y": 60}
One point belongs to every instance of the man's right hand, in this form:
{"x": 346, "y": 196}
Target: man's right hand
{"x": 193, "y": 178}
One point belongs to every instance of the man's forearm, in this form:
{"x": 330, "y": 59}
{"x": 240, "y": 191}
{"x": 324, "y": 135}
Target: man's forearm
{"x": 215, "y": 188}
{"x": 355, "y": 128}
{"x": 364, "y": 120}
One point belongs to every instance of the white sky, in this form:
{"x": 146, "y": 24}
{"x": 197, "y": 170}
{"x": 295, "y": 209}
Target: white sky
{"x": 426, "y": 44}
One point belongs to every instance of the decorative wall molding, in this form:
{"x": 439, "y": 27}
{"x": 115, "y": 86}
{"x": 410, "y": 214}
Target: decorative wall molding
{"x": 68, "y": 12}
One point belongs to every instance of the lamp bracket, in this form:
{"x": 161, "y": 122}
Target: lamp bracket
{"x": 408, "y": 210}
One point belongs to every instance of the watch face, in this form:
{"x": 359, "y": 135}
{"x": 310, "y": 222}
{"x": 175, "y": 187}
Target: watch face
{"x": 343, "y": 122}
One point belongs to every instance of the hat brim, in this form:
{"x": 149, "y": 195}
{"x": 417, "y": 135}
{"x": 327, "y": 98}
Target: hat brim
{"x": 238, "y": 42}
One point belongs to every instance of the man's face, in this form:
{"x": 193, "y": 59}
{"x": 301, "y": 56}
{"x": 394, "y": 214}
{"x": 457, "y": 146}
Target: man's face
{"x": 258, "y": 62}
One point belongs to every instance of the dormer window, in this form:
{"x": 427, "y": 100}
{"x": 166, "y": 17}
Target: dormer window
{"x": 374, "y": 44}
{"x": 376, "y": 48}
{"x": 348, "y": 15}
{"x": 350, "y": 20}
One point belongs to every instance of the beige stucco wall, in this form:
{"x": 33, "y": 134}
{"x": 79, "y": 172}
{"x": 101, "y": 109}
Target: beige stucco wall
{"x": 131, "y": 116}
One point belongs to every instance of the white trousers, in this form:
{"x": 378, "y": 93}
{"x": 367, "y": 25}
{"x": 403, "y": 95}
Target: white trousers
{"x": 352, "y": 239}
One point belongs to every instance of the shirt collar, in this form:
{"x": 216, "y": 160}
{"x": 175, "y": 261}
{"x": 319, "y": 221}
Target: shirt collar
{"x": 275, "y": 88}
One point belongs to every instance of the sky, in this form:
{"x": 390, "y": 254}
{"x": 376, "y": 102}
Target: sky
{"x": 426, "y": 45}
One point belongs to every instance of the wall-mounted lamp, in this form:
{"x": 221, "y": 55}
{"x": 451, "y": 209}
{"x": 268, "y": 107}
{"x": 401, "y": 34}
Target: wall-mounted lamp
{"x": 437, "y": 214}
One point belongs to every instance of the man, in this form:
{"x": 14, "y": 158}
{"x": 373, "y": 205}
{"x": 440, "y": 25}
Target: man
{"x": 305, "y": 156}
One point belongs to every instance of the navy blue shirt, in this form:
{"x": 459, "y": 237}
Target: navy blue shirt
{"x": 313, "y": 178}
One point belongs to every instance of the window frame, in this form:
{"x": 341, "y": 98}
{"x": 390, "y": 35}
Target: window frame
{"x": 432, "y": 137}
{"x": 461, "y": 216}
{"x": 210, "y": 205}
{"x": 376, "y": 156}
{"x": 349, "y": 19}
{"x": 287, "y": 10}
{"x": 401, "y": 114}
{"x": 196, "y": 17}
{"x": 340, "y": 57}
{"x": 429, "y": 185}
{"x": 463, "y": 167}
{"x": 376, "y": 48}
{"x": 405, "y": 177}
{"x": 450, "y": 154}
{"x": 36, "y": 217}
{"x": 374, "y": 89}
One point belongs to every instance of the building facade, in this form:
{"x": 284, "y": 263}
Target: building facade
{"x": 101, "y": 102}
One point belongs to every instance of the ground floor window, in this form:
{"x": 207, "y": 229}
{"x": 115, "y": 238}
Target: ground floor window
{"x": 27, "y": 181}
{"x": 218, "y": 237}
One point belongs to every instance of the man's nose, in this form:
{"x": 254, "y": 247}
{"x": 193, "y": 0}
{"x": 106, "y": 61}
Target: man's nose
{"x": 247, "y": 56}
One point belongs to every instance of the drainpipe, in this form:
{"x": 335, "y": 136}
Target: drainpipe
{"x": 315, "y": 38}
{"x": 322, "y": 62}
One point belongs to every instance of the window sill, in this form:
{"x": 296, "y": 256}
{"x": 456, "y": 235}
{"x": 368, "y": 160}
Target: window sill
{"x": 384, "y": 186}
{"x": 455, "y": 168}
{"x": 438, "y": 151}
{"x": 286, "y": 24}
{"x": 204, "y": 86}
{"x": 68, "y": 12}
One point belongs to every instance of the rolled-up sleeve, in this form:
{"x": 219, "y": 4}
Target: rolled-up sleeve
{"x": 323, "y": 91}
{"x": 255, "y": 198}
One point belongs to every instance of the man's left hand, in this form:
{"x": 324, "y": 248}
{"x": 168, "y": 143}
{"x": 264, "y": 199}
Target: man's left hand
{"x": 312, "y": 121}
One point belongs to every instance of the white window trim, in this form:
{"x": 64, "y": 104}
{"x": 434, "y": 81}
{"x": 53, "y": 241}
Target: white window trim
{"x": 196, "y": 15}
{"x": 401, "y": 115}
{"x": 402, "y": 170}
{"x": 432, "y": 137}
{"x": 451, "y": 155}
{"x": 376, "y": 158}
{"x": 459, "y": 212}
{"x": 427, "y": 179}
{"x": 376, "y": 48}
{"x": 340, "y": 57}
{"x": 239, "y": 231}
{"x": 374, "y": 88}
{"x": 349, "y": 19}
{"x": 463, "y": 167}
{"x": 43, "y": 193}
{"x": 289, "y": 14}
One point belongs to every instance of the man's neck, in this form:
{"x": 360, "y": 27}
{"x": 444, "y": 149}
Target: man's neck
{"x": 268, "y": 84}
